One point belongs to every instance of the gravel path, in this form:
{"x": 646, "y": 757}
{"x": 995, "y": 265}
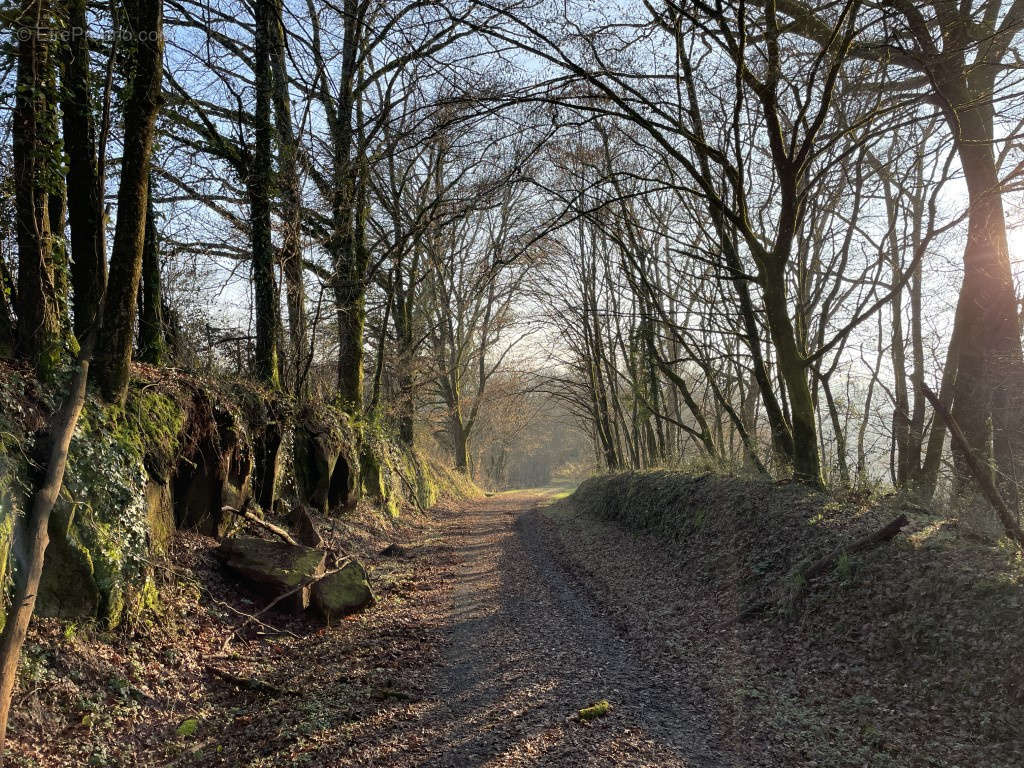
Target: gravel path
{"x": 526, "y": 648}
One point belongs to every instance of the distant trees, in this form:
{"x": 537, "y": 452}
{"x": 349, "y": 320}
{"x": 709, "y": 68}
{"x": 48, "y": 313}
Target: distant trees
{"x": 38, "y": 187}
{"x": 956, "y": 55}
{"x": 756, "y": 182}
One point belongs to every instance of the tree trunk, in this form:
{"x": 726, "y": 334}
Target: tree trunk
{"x": 291, "y": 205}
{"x": 36, "y": 538}
{"x": 145, "y": 18}
{"x": 152, "y": 346}
{"x": 350, "y": 306}
{"x": 402, "y": 318}
{"x": 901, "y": 462}
{"x": 806, "y": 459}
{"x": 259, "y": 188}
{"x": 6, "y": 313}
{"x": 937, "y": 435}
{"x": 988, "y": 380}
{"x": 460, "y": 443}
{"x": 347, "y": 249}
{"x": 35, "y": 148}
{"x": 842, "y": 451}
{"x": 85, "y": 204}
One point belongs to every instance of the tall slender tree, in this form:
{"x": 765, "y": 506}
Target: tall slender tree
{"x": 144, "y": 24}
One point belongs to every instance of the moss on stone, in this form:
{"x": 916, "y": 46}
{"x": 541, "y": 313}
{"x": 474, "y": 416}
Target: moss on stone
{"x": 326, "y": 458}
{"x": 102, "y": 527}
{"x": 343, "y": 592}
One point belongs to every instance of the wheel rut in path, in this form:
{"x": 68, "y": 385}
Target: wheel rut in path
{"x": 526, "y": 648}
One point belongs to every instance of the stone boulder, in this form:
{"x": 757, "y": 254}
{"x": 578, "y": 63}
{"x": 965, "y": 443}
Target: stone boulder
{"x": 274, "y": 568}
{"x": 343, "y": 592}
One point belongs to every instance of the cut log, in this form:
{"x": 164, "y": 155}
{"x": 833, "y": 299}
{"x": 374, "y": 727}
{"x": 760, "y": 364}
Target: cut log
{"x": 250, "y": 683}
{"x": 820, "y": 567}
{"x": 274, "y": 568}
{"x": 343, "y": 592}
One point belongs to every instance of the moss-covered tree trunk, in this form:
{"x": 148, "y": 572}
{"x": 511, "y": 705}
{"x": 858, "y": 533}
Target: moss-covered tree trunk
{"x": 84, "y": 195}
{"x": 460, "y": 441}
{"x": 6, "y": 314}
{"x": 793, "y": 370}
{"x": 152, "y": 344}
{"x": 145, "y": 20}
{"x": 259, "y": 186}
{"x": 403, "y": 292}
{"x": 36, "y": 155}
{"x": 348, "y": 247}
{"x": 290, "y": 199}
{"x": 35, "y": 537}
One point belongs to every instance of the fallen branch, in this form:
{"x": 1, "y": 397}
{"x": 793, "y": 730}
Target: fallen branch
{"x": 253, "y": 518}
{"x": 822, "y": 566}
{"x": 249, "y": 683}
{"x": 411, "y": 488}
{"x": 203, "y": 590}
{"x": 981, "y": 476}
{"x": 883, "y": 535}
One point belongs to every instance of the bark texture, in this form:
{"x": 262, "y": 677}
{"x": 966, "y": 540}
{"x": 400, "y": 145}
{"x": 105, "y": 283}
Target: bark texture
{"x": 145, "y": 19}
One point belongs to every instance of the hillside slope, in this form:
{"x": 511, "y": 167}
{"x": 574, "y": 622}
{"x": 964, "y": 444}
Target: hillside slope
{"x": 905, "y": 655}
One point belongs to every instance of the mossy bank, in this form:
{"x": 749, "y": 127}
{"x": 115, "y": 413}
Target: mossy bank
{"x": 180, "y": 450}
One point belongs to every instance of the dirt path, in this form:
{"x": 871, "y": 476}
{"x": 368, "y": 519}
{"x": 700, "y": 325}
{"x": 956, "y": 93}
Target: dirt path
{"x": 480, "y": 651}
{"x": 526, "y": 648}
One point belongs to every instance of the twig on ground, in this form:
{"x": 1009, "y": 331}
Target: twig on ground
{"x": 274, "y": 529}
{"x": 412, "y": 489}
{"x": 821, "y": 566}
{"x": 250, "y": 683}
{"x": 295, "y": 590}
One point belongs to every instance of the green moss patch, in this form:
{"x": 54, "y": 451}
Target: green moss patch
{"x": 594, "y": 711}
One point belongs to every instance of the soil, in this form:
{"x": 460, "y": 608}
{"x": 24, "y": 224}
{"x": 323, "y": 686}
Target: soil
{"x": 527, "y": 648}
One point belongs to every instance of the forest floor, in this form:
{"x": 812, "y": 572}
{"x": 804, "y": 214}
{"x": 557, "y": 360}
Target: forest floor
{"x": 480, "y": 651}
{"x": 498, "y": 622}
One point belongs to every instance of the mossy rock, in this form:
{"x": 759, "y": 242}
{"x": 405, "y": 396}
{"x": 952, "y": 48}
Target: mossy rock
{"x": 380, "y": 481}
{"x": 325, "y": 459}
{"x": 20, "y": 415}
{"x": 177, "y": 452}
{"x": 417, "y": 469}
{"x": 273, "y": 568}
{"x": 100, "y": 527}
{"x": 343, "y": 592}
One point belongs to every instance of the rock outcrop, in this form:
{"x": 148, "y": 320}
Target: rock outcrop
{"x": 326, "y": 460}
